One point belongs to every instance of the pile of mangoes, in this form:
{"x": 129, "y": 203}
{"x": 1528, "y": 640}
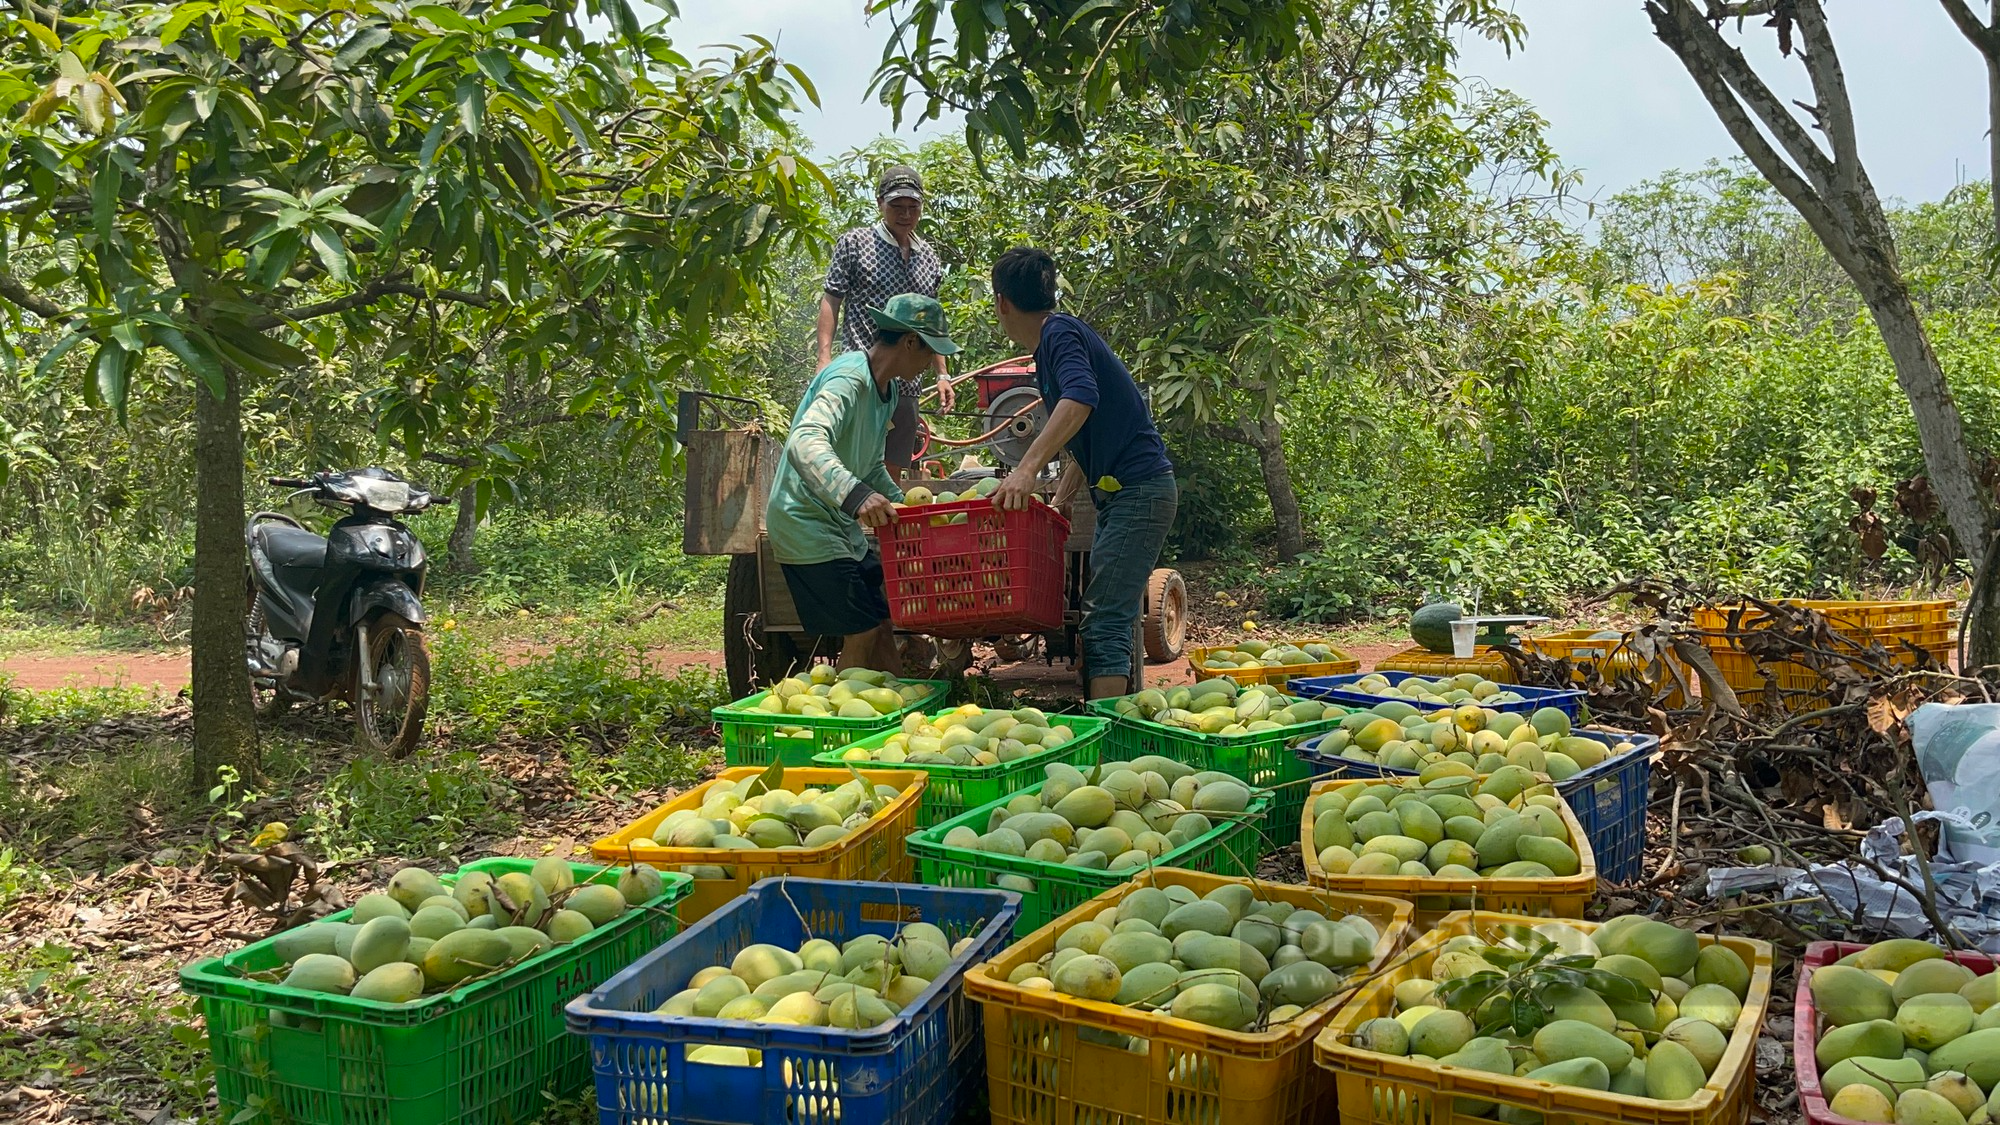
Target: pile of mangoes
{"x": 416, "y": 937}
{"x": 1466, "y": 687}
{"x": 862, "y": 982}
{"x": 1401, "y": 736}
{"x": 1221, "y": 706}
{"x": 1910, "y": 1036}
{"x": 855, "y": 693}
{"x": 1639, "y": 1008}
{"x": 759, "y": 812}
{"x": 1130, "y": 815}
{"x": 1226, "y": 959}
{"x": 920, "y": 496}
{"x": 968, "y": 736}
{"x": 1506, "y": 825}
{"x": 1254, "y": 654}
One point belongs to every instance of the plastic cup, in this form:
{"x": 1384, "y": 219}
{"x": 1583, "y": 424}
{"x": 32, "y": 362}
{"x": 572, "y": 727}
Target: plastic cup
{"x": 1463, "y": 636}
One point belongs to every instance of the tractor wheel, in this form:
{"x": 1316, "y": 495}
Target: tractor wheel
{"x": 1166, "y": 616}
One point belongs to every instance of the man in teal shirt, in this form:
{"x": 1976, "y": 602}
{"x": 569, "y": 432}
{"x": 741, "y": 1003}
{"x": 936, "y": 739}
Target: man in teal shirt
{"x": 831, "y": 481}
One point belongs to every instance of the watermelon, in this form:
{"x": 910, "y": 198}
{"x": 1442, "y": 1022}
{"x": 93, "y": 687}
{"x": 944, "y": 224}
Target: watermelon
{"x": 1431, "y": 625}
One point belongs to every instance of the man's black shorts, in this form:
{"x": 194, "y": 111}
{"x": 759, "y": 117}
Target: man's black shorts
{"x": 839, "y": 598}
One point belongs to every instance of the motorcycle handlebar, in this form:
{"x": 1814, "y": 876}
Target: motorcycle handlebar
{"x": 290, "y": 482}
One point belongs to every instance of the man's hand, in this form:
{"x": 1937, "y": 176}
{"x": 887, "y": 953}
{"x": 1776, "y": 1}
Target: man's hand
{"x": 876, "y": 512}
{"x": 945, "y": 393}
{"x": 1015, "y": 492}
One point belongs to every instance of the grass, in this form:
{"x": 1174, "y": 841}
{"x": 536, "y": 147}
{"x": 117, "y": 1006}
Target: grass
{"x": 22, "y": 633}
{"x": 128, "y": 1038}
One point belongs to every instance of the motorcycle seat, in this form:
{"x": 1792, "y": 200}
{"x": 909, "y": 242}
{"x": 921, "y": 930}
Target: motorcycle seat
{"x": 290, "y": 547}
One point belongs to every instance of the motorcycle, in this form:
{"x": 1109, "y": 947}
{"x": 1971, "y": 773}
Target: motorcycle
{"x": 338, "y": 617}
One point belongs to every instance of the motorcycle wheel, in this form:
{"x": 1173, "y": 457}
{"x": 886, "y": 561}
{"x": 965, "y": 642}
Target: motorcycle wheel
{"x": 267, "y": 699}
{"x": 390, "y": 719}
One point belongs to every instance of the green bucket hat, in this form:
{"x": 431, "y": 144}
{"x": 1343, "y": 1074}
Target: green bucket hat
{"x": 914, "y": 312}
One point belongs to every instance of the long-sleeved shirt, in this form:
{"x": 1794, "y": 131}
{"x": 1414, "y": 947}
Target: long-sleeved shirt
{"x": 832, "y": 465}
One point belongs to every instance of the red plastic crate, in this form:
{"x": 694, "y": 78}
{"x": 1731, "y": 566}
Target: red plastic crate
{"x": 1806, "y": 1029}
{"x": 997, "y": 572}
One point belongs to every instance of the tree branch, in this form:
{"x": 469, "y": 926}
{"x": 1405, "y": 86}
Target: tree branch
{"x": 1673, "y": 22}
{"x": 12, "y": 289}
{"x": 1678, "y": 20}
{"x": 394, "y": 286}
{"x": 1986, "y": 38}
{"x": 1836, "y": 111}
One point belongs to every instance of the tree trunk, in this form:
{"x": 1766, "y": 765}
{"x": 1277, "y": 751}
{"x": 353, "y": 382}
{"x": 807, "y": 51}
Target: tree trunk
{"x": 458, "y": 551}
{"x": 1993, "y": 138}
{"x": 1267, "y": 438}
{"x": 225, "y": 729}
{"x": 1939, "y": 428}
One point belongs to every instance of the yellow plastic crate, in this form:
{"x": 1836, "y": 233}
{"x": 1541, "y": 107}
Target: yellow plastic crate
{"x": 1379, "y": 1089}
{"x": 1926, "y": 625}
{"x": 1418, "y": 660}
{"x": 1612, "y": 659}
{"x": 1847, "y": 616}
{"x": 1276, "y": 677}
{"x": 874, "y": 852}
{"x": 1561, "y": 897}
{"x": 1041, "y": 1071}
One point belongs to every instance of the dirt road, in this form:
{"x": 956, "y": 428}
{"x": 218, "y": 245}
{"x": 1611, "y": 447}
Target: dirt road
{"x": 167, "y": 672}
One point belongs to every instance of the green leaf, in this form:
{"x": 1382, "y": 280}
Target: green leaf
{"x": 49, "y": 358}
{"x": 196, "y": 358}
{"x": 359, "y": 46}
{"x": 71, "y": 67}
{"x": 770, "y": 779}
{"x": 45, "y": 36}
{"x": 332, "y": 254}
{"x": 806, "y": 84}
{"x": 1614, "y": 987}
{"x": 471, "y": 98}
{"x": 495, "y": 63}
{"x": 110, "y": 375}
{"x": 104, "y": 186}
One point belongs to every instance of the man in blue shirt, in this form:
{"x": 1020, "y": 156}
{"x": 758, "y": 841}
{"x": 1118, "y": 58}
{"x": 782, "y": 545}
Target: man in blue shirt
{"x": 1098, "y": 416}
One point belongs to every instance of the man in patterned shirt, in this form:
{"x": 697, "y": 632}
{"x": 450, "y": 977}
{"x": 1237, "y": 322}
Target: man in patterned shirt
{"x": 831, "y": 481}
{"x": 870, "y": 265}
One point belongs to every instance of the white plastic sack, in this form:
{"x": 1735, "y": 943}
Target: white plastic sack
{"x": 1958, "y": 750}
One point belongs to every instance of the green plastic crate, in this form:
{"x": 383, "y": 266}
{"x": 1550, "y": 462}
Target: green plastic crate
{"x": 490, "y": 1051}
{"x": 750, "y": 734}
{"x": 954, "y": 789}
{"x": 1265, "y": 759}
{"x": 1232, "y": 847}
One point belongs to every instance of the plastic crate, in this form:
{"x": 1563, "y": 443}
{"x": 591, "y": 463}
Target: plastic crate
{"x": 1198, "y": 660}
{"x": 1391, "y": 1090}
{"x": 1609, "y": 799}
{"x": 914, "y": 1070}
{"x": 996, "y": 573}
{"x": 750, "y": 734}
{"x": 954, "y": 789}
{"x": 1612, "y": 659}
{"x": 1340, "y": 689}
{"x": 1485, "y": 661}
{"x": 873, "y": 852}
{"x": 1806, "y": 1027}
{"x": 1896, "y": 626}
{"x": 1232, "y": 847}
{"x": 488, "y": 1051}
{"x": 1563, "y": 896}
{"x": 1264, "y": 758}
{"x": 1851, "y": 617}
{"x": 1041, "y": 1071}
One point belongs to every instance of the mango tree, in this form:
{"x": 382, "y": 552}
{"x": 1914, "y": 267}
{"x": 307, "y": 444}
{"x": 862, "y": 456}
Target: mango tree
{"x": 203, "y": 195}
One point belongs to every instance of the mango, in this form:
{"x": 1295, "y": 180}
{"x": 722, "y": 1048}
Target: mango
{"x": 1931, "y": 1020}
{"x": 1713, "y": 1003}
{"x": 1719, "y": 964}
{"x": 369, "y": 907}
{"x": 1982, "y": 992}
{"x": 1975, "y": 1054}
{"x": 1957, "y": 1089}
{"x": 1631, "y": 968}
{"x": 1880, "y": 1039}
{"x": 1088, "y": 976}
{"x": 382, "y": 941}
{"x": 1154, "y": 983}
{"x": 1584, "y": 1074}
{"x": 1202, "y": 915}
{"x": 1844, "y": 995}
{"x": 1561, "y": 1040}
{"x": 1890, "y": 1077}
{"x": 465, "y": 953}
{"x": 397, "y": 982}
{"x": 1304, "y": 983}
{"x": 321, "y": 972}
{"x": 1669, "y": 949}
{"x": 1896, "y": 954}
{"x": 1934, "y": 975}
{"x": 596, "y": 902}
{"x": 411, "y": 886}
{"x": 1700, "y": 1038}
{"x": 1558, "y": 857}
{"x": 1384, "y": 1036}
{"x": 1673, "y": 1073}
{"x": 1216, "y": 1005}
{"x": 1441, "y": 1033}
{"x": 1922, "y": 1107}
{"x": 1862, "y": 1103}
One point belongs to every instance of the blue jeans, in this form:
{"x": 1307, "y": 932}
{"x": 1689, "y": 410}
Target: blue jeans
{"x": 1132, "y": 526}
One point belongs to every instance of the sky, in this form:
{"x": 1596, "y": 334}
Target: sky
{"x": 1618, "y": 104}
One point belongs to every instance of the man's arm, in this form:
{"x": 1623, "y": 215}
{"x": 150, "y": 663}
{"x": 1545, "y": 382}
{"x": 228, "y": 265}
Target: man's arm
{"x": 829, "y": 317}
{"x": 810, "y": 450}
{"x": 1067, "y": 418}
{"x": 945, "y": 395}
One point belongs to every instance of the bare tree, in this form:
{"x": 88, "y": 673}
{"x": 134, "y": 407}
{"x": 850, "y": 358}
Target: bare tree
{"x": 1832, "y": 192}
{"x": 1985, "y": 37}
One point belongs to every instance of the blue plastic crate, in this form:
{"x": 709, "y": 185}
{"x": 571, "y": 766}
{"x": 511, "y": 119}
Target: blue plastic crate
{"x": 917, "y": 1069}
{"x": 1609, "y": 799}
{"x": 1339, "y": 689}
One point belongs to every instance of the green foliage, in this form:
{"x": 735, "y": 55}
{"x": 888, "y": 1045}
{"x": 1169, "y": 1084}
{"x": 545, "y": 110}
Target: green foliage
{"x": 70, "y": 707}
{"x": 424, "y": 806}
{"x": 594, "y": 689}
{"x": 574, "y": 558}
{"x": 140, "y": 1043}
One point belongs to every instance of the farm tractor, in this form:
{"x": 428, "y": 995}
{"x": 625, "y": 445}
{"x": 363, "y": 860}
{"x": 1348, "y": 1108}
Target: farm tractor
{"x": 731, "y": 461}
